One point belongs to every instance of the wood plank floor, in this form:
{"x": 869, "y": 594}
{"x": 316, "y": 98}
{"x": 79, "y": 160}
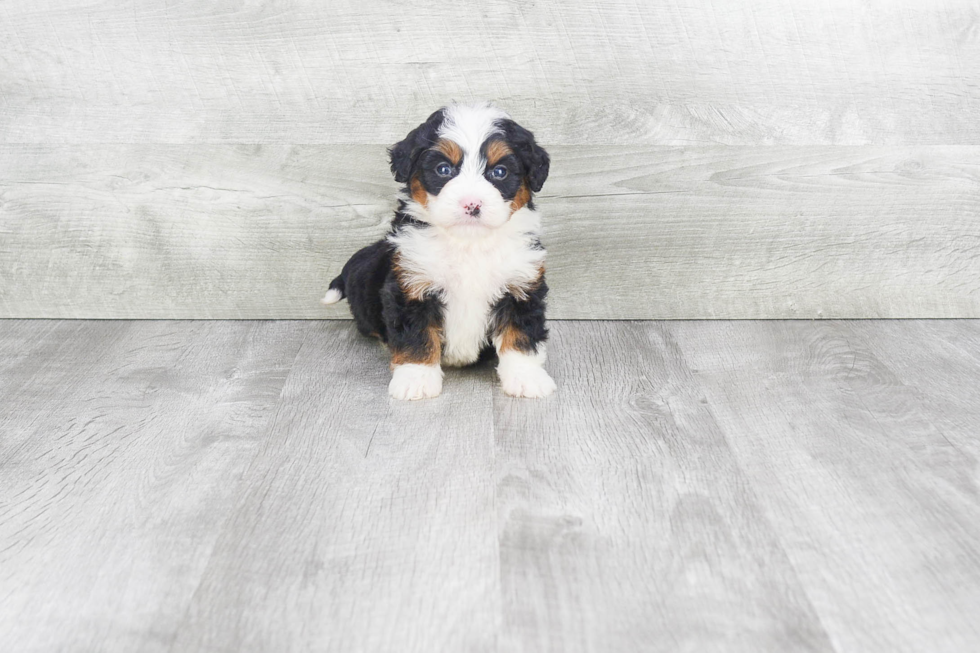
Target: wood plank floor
{"x": 692, "y": 486}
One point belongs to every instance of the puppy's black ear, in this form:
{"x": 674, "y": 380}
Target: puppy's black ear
{"x": 535, "y": 160}
{"x": 404, "y": 153}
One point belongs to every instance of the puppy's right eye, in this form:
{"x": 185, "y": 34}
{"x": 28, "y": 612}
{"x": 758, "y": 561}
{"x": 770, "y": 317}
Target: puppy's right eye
{"x": 444, "y": 170}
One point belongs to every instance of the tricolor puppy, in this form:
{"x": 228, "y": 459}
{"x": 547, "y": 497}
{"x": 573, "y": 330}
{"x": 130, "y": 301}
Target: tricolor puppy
{"x": 462, "y": 266}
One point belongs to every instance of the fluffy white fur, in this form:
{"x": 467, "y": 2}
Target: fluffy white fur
{"x": 522, "y": 375}
{"x": 413, "y": 381}
{"x": 332, "y": 297}
{"x": 471, "y": 273}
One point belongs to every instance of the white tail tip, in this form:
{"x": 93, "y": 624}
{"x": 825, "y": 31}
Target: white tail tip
{"x": 332, "y": 297}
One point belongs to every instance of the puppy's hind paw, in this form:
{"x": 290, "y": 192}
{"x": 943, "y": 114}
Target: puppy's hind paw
{"x": 414, "y": 381}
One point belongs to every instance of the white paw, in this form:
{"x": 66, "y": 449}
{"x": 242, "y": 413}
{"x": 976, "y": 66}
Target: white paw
{"x": 532, "y": 382}
{"x": 332, "y": 297}
{"x": 521, "y": 375}
{"x": 413, "y": 381}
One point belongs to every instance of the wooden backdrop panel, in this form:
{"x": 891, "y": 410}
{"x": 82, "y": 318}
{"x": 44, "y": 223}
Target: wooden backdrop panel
{"x": 641, "y": 232}
{"x": 740, "y": 159}
{"x": 669, "y": 72}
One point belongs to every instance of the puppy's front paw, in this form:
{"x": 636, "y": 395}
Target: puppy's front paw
{"x": 528, "y": 381}
{"x": 414, "y": 381}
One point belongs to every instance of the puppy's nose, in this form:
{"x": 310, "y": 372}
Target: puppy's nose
{"x": 471, "y": 206}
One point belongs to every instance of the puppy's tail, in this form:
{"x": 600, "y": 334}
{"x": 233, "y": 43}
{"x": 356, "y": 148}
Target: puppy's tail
{"x": 336, "y": 291}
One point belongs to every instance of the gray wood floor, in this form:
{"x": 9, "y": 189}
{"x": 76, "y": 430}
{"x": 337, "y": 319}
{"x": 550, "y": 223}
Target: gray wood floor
{"x": 692, "y": 486}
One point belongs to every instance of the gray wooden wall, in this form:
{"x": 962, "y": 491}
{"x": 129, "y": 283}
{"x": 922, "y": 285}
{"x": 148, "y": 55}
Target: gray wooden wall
{"x": 711, "y": 159}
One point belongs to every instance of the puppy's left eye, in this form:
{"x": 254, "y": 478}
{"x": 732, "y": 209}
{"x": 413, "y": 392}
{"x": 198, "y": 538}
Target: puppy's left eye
{"x": 499, "y": 172}
{"x": 444, "y": 170}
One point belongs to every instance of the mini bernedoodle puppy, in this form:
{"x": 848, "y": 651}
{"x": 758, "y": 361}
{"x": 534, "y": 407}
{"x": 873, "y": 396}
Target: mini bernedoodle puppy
{"x": 462, "y": 265}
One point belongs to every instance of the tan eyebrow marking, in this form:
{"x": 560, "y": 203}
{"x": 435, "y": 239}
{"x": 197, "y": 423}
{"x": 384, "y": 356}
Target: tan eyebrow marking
{"x": 451, "y": 149}
{"x": 497, "y": 150}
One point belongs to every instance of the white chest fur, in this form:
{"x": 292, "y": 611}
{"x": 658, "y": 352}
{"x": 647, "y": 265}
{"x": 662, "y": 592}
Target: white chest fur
{"x": 471, "y": 272}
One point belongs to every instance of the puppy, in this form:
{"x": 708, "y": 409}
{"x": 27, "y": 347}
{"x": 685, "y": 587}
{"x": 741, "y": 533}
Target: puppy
{"x": 462, "y": 266}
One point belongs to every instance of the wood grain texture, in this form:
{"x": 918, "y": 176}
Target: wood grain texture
{"x": 122, "y": 448}
{"x": 709, "y": 486}
{"x": 625, "y": 522}
{"x": 669, "y": 72}
{"x": 366, "y": 524}
{"x": 867, "y": 482}
{"x": 258, "y": 231}
{"x": 933, "y": 364}
{"x": 712, "y": 160}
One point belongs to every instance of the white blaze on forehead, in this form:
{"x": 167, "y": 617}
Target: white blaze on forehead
{"x": 470, "y": 125}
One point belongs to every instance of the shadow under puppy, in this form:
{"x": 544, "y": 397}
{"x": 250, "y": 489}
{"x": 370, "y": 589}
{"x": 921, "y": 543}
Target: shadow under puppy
{"x": 462, "y": 265}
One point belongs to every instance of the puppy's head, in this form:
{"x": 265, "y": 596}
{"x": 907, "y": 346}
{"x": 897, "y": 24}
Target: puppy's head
{"x": 469, "y": 168}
